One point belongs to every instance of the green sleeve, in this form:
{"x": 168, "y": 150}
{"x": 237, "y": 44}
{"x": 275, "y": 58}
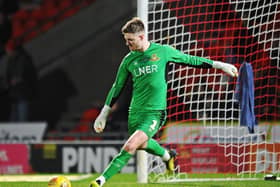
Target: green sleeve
{"x": 118, "y": 85}
{"x": 174, "y": 55}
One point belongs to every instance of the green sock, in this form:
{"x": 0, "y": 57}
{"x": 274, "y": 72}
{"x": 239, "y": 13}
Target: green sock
{"x": 154, "y": 148}
{"x": 117, "y": 164}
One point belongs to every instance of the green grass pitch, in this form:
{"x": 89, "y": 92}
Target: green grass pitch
{"x": 129, "y": 180}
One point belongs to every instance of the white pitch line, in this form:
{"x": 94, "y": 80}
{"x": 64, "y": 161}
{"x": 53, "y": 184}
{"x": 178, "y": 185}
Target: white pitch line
{"x": 39, "y": 178}
{"x": 208, "y": 179}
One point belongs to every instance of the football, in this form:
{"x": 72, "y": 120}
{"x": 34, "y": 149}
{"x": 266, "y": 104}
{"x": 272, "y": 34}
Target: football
{"x": 59, "y": 181}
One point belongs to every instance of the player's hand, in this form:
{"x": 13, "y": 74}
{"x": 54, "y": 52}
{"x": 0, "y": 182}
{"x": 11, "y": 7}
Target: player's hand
{"x": 99, "y": 124}
{"x": 100, "y": 121}
{"x": 230, "y": 69}
{"x": 227, "y": 68}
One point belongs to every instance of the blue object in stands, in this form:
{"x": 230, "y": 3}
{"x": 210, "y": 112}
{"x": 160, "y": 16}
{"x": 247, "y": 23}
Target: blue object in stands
{"x": 244, "y": 93}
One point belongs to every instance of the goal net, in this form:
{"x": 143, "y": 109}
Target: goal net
{"x": 203, "y": 122}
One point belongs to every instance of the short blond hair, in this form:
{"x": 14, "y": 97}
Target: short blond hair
{"x": 135, "y": 25}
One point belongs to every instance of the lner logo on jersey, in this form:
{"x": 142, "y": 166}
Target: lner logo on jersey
{"x": 139, "y": 71}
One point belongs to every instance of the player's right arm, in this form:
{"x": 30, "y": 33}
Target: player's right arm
{"x": 114, "y": 93}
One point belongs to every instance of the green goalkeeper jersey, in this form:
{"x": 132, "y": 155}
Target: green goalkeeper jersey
{"x": 148, "y": 72}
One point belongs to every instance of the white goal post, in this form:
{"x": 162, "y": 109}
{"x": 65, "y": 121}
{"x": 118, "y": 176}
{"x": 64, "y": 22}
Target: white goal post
{"x": 142, "y": 156}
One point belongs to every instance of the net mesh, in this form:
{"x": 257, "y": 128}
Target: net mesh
{"x": 203, "y": 115}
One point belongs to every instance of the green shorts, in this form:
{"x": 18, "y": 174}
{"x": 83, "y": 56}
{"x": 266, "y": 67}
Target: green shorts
{"x": 147, "y": 121}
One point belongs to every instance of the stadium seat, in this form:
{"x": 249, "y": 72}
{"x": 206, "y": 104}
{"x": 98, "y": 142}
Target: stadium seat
{"x": 46, "y": 26}
{"x": 10, "y": 45}
{"x": 64, "y": 4}
{"x": 21, "y": 15}
{"x": 44, "y": 17}
{"x": 87, "y": 117}
{"x": 49, "y": 19}
{"x": 49, "y": 4}
{"x": 38, "y": 14}
{"x": 18, "y": 28}
{"x": 51, "y": 13}
{"x": 31, "y": 30}
{"x": 69, "y": 12}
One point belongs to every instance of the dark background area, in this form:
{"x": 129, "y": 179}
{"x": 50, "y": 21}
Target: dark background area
{"x": 77, "y": 60}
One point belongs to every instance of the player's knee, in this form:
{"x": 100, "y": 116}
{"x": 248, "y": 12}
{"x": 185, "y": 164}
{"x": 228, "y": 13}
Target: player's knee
{"x": 143, "y": 146}
{"x": 130, "y": 147}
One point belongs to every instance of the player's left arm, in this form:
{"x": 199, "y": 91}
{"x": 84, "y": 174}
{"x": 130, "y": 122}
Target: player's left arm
{"x": 177, "y": 56}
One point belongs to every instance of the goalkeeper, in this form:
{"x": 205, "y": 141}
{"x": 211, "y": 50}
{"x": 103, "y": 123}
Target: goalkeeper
{"x": 146, "y": 64}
